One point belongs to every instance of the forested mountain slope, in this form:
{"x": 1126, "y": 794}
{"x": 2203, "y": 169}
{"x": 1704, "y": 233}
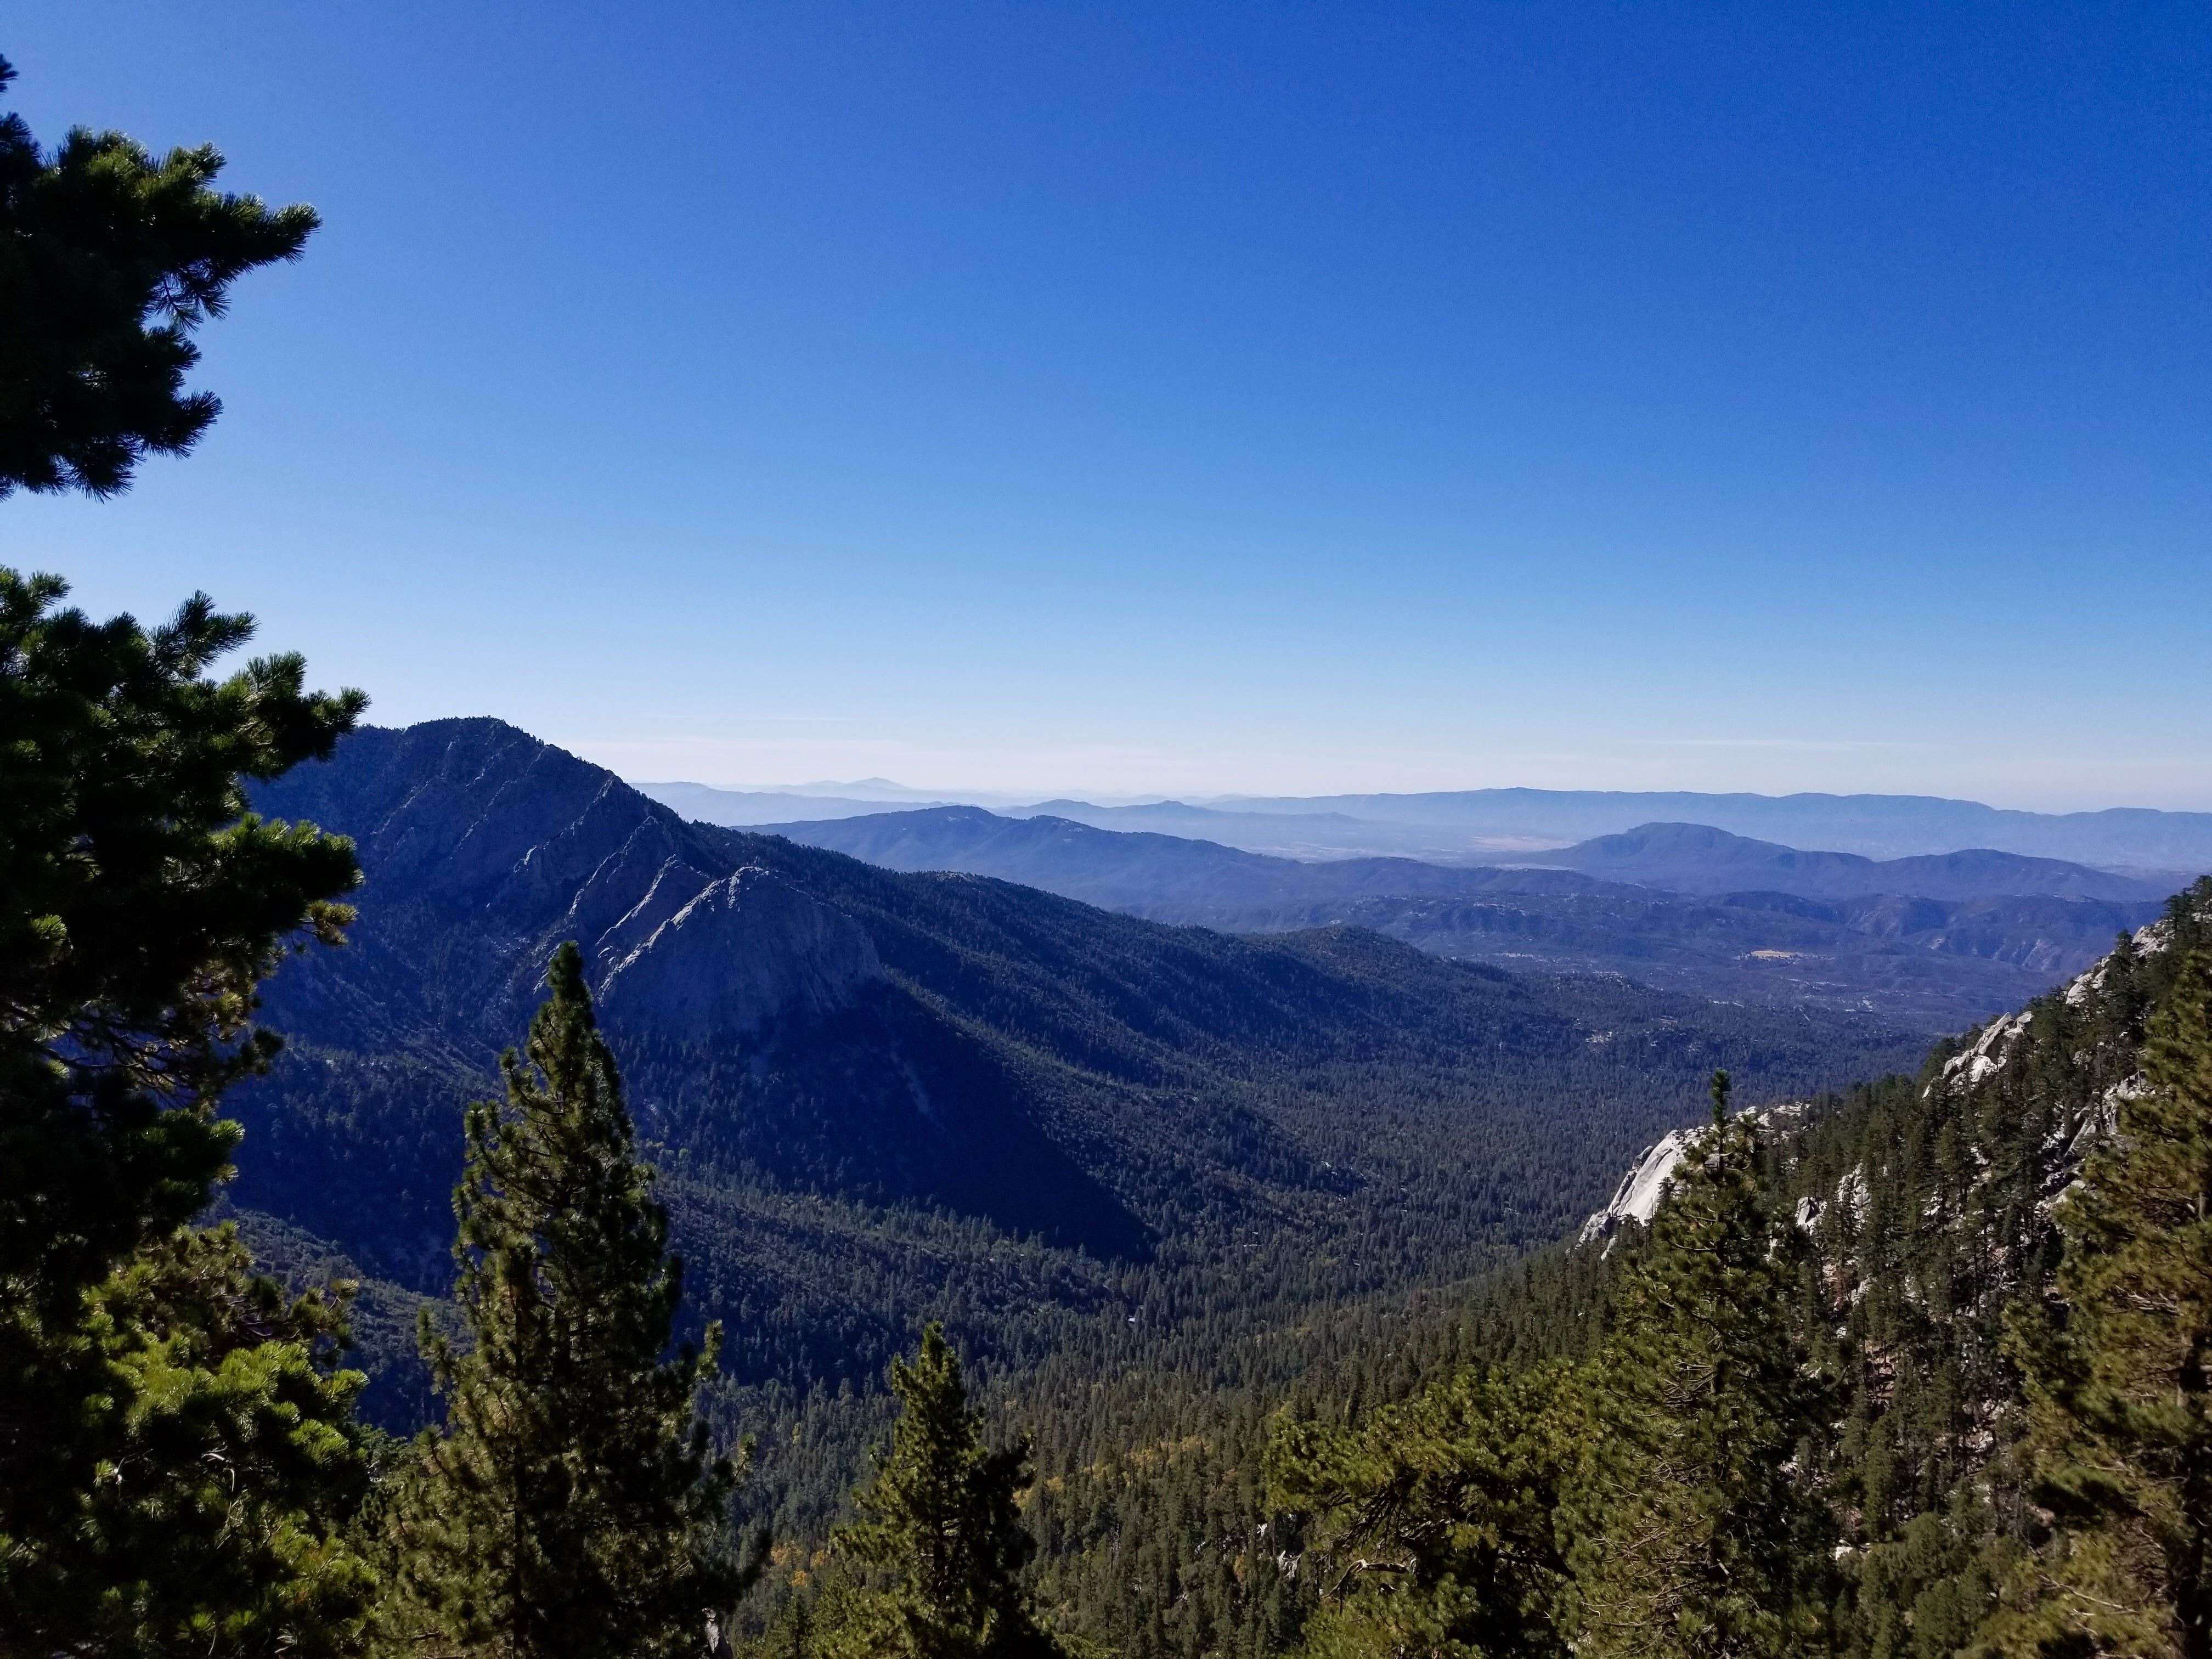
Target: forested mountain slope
{"x": 856, "y": 1076}
{"x": 1931, "y": 1208}
{"x": 1928, "y": 1204}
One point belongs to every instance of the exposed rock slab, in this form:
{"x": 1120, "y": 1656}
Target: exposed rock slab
{"x": 746, "y": 950}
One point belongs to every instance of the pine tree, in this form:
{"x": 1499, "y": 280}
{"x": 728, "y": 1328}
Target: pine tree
{"x": 572, "y": 1509}
{"x": 1434, "y": 1525}
{"x": 941, "y": 1522}
{"x": 109, "y": 259}
{"x": 141, "y": 906}
{"x": 177, "y": 1455}
{"x": 1690, "y": 1530}
{"x": 2119, "y": 1383}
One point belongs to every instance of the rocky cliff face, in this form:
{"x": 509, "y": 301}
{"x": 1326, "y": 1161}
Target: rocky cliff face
{"x": 482, "y": 849}
{"x": 740, "y": 953}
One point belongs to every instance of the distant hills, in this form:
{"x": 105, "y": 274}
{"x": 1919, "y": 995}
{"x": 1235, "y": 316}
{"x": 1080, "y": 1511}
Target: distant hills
{"x": 742, "y": 806}
{"x": 1696, "y": 858}
{"x": 1875, "y": 826}
{"x": 1132, "y": 870}
{"x": 1491, "y": 825}
{"x": 1935, "y": 942}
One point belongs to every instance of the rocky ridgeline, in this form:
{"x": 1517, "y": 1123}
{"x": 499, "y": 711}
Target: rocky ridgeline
{"x": 530, "y": 845}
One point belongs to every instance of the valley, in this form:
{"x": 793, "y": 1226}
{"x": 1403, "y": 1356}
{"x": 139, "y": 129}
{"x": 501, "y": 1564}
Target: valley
{"x": 822, "y": 1046}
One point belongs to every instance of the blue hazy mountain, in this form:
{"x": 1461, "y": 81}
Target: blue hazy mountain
{"x": 705, "y": 805}
{"x": 1696, "y": 858}
{"x": 1492, "y": 825}
{"x": 1877, "y": 826}
{"x": 1934, "y": 942}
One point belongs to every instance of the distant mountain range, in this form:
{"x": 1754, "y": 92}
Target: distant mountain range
{"x": 1934, "y": 942}
{"x": 1875, "y": 826}
{"x": 1491, "y": 825}
{"x": 1696, "y": 858}
{"x": 742, "y": 806}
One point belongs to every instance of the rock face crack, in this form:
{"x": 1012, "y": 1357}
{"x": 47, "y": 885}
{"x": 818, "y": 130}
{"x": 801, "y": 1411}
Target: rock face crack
{"x": 742, "y": 951}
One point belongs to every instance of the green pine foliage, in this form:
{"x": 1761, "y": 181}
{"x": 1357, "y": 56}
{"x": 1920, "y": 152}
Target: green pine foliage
{"x": 1630, "y": 1472}
{"x": 223, "y": 1464}
{"x": 141, "y": 906}
{"x": 939, "y": 1545}
{"x": 2119, "y": 1378}
{"x": 1435, "y": 1527}
{"x": 178, "y": 1455}
{"x": 109, "y": 259}
{"x": 573, "y": 1508}
{"x": 1691, "y": 1527}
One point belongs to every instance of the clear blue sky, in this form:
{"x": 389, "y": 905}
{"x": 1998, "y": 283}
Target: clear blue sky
{"x": 1207, "y": 398}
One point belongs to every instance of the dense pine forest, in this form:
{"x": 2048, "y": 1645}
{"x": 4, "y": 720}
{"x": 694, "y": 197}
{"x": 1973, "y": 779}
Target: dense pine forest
{"x": 664, "y": 1240}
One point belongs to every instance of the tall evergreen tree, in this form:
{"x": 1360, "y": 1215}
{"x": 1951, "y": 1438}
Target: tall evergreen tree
{"x": 573, "y": 1507}
{"x": 2119, "y": 1383}
{"x": 1434, "y": 1524}
{"x": 109, "y": 259}
{"x": 150, "y": 1389}
{"x": 1690, "y": 1531}
{"x": 941, "y": 1523}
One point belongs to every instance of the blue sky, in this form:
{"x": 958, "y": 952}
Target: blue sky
{"x": 1207, "y": 398}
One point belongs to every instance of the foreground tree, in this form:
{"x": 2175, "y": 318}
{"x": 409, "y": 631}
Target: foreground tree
{"x": 941, "y": 1530}
{"x": 573, "y": 1508}
{"x": 2119, "y": 1384}
{"x": 1690, "y": 1529}
{"x": 176, "y": 1454}
{"x": 141, "y": 905}
{"x": 178, "y": 1459}
{"x": 109, "y": 259}
{"x": 1434, "y": 1524}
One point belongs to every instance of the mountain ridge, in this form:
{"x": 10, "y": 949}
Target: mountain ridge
{"x": 1936, "y": 964}
{"x": 1703, "y": 860}
{"x": 1874, "y": 825}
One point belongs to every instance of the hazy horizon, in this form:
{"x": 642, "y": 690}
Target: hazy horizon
{"x": 879, "y": 788}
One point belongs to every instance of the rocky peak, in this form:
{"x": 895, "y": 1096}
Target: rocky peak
{"x": 740, "y": 951}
